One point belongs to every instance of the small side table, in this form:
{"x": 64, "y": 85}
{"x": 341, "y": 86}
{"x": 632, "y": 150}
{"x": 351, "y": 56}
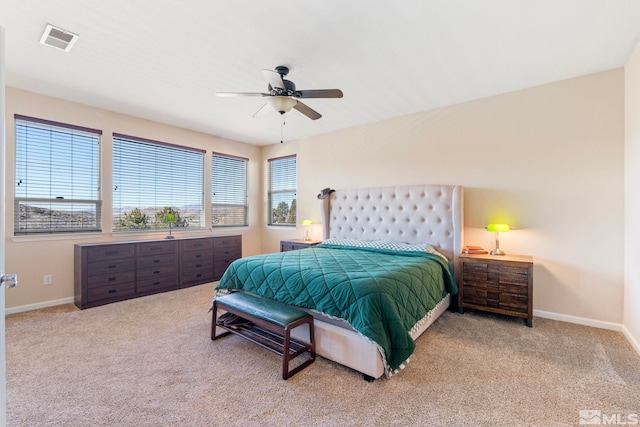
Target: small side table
{"x": 497, "y": 284}
{"x": 295, "y": 244}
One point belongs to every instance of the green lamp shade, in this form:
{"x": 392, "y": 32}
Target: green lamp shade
{"x": 306, "y": 222}
{"x": 498, "y": 228}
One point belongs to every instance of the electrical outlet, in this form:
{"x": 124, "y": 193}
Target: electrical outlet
{"x": 48, "y": 279}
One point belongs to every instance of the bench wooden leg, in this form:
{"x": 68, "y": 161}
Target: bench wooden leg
{"x": 310, "y": 348}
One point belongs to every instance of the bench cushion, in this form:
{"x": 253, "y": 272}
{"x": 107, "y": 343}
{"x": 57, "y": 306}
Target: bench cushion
{"x": 262, "y": 308}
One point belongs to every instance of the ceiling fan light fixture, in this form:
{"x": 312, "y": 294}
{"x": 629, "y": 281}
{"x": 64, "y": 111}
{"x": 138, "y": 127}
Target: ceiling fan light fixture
{"x": 282, "y": 104}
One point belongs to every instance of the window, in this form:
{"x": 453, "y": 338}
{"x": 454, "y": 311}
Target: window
{"x": 57, "y": 178}
{"x": 282, "y": 191}
{"x": 156, "y": 185}
{"x": 228, "y": 191}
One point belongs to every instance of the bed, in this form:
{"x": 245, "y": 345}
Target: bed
{"x": 381, "y": 248}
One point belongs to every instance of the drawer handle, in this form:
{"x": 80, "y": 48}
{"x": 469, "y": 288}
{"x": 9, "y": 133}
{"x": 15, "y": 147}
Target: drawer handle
{"x": 198, "y": 275}
{"x": 198, "y": 265}
{"x": 156, "y": 283}
{"x": 111, "y": 279}
{"x": 155, "y": 261}
{"x": 112, "y": 291}
{"x": 112, "y": 266}
{"x": 111, "y": 253}
{"x": 156, "y": 272}
{"x": 198, "y": 256}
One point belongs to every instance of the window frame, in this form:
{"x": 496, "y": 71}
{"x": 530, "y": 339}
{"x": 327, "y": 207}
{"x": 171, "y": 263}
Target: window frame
{"x": 244, "y": 184}
{"x": 159, "y": 149}
{"x": 276, "y": 193}
{"x": 94, "y": 136}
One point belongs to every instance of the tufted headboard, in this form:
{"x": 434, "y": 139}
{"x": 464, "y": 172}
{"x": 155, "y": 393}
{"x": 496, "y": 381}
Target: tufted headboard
{"x": 431, "y": 214}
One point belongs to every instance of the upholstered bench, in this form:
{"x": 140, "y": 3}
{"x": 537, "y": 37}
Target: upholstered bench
{"x": 271, "y": 325}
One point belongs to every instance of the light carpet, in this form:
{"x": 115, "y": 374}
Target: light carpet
{"x": 151, "y": 362}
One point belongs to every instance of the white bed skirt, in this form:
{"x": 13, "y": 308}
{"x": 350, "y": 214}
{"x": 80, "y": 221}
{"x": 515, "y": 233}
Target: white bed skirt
{"x": 347, "y": 347}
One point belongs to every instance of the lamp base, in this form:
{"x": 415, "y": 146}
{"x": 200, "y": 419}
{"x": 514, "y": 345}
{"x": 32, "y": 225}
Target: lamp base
{"x": 497, "y": 251}
{"x": 169, "y": 237}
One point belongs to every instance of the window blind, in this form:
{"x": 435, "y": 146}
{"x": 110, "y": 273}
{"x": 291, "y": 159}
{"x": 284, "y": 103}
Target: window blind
{"x": 228, "y": 191}
{"x": 151, "y": 179}
{"x": 57, "y": 177}
{"x": 282, "y": 191}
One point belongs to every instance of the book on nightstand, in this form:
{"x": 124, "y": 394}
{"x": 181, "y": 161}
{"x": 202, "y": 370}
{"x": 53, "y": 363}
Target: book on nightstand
{"x": 470, "y": 249}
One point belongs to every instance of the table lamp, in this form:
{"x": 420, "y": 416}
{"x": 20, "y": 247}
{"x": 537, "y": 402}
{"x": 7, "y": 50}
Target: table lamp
{"x": 306, "y": 223}
{"x": 498, "y": 228}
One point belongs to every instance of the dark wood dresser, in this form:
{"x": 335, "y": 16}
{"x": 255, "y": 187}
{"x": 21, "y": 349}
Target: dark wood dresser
{"x": 110, "y": 272}
{"x": 497, "y": 284}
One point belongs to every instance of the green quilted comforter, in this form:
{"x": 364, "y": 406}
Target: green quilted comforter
{"x": 382, "y": 293}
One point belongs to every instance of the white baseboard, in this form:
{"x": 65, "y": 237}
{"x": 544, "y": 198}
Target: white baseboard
{"x": 634, "y": 342}
{"x": 578, "y": 320}
{"x": 36, "y": 306}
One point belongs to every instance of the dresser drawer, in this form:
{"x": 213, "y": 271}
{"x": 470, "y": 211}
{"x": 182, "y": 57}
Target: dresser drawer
{"x": 112, "y": 278}
{"x": 115, "y": 290}
{"x": 159, "y": 270}
{"x": 192, "y": 258}
{"x": 197, "y": 244}
{"x": 110, "y": 266}
{"x": 227, "y": 242}
{"x": 155, "y": 248}
{"x": 157, "y": 284}
{"x": 109, "y": 252}
{"x": 193, "y": 277}
{"x": 150, "y": 262}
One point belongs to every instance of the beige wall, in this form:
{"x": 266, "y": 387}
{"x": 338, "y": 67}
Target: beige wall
{"x": 548, "y": 160}
{"x": 31, "y": 258}
{"x": 632, "y": 198}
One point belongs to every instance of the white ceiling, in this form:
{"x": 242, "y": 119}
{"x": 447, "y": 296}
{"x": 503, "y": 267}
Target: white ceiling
{"x": 164, "y": 60}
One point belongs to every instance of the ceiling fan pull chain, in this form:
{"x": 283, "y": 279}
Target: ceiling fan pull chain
{"x": 282, "y": 123}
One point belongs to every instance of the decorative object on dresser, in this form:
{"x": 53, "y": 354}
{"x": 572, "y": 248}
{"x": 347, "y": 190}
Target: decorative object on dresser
{"x": 501, "y": 285}
{"x": 306, "y": 223}
{"x": 295, "y": 244}
{"x": 498, "y": 228}
{"x": 110, "y": 272}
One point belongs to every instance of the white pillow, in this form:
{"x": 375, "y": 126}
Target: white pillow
{"x": 385, "y": 244}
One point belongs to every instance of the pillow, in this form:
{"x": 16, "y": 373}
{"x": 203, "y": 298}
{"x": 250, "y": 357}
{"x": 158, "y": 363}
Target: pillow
{"x": 385, "y": 244}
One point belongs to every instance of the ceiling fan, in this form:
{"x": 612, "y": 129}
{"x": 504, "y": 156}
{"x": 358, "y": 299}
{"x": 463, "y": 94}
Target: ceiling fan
{"x": 282, "y": 95}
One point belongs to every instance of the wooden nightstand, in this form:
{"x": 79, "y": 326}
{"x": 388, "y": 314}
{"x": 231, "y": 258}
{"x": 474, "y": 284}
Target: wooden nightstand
{"x": 295, "y": 244}
{"x": 498, "y": 284}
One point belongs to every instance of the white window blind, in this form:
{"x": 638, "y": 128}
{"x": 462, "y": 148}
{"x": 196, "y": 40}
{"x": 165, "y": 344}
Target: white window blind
{"x": 152, "y": 179}
{"x": 57, "y": 177}
{"x": 282, "y": 191}
{"x": 228, "y": 191}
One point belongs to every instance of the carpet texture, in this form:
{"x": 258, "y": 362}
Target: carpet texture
{"x": 151, "y": 362}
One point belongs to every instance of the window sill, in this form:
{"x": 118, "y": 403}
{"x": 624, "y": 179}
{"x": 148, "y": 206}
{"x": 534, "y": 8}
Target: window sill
{"x": 51, "y": 237}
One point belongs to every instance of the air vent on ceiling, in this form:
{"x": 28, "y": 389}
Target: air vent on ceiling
{"x": 58, "y": 38}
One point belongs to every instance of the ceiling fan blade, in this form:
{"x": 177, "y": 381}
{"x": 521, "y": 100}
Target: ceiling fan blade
{"x": 319, "y": 93}
{"x": 241, "y": 94}
{"x": 307, "y": 111}
{"x": 263, "y": 111}
{"x": 274, "y": 78}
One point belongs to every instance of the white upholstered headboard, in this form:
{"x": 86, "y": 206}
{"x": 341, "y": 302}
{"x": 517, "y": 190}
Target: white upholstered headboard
{"x": 431, "y": 214}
